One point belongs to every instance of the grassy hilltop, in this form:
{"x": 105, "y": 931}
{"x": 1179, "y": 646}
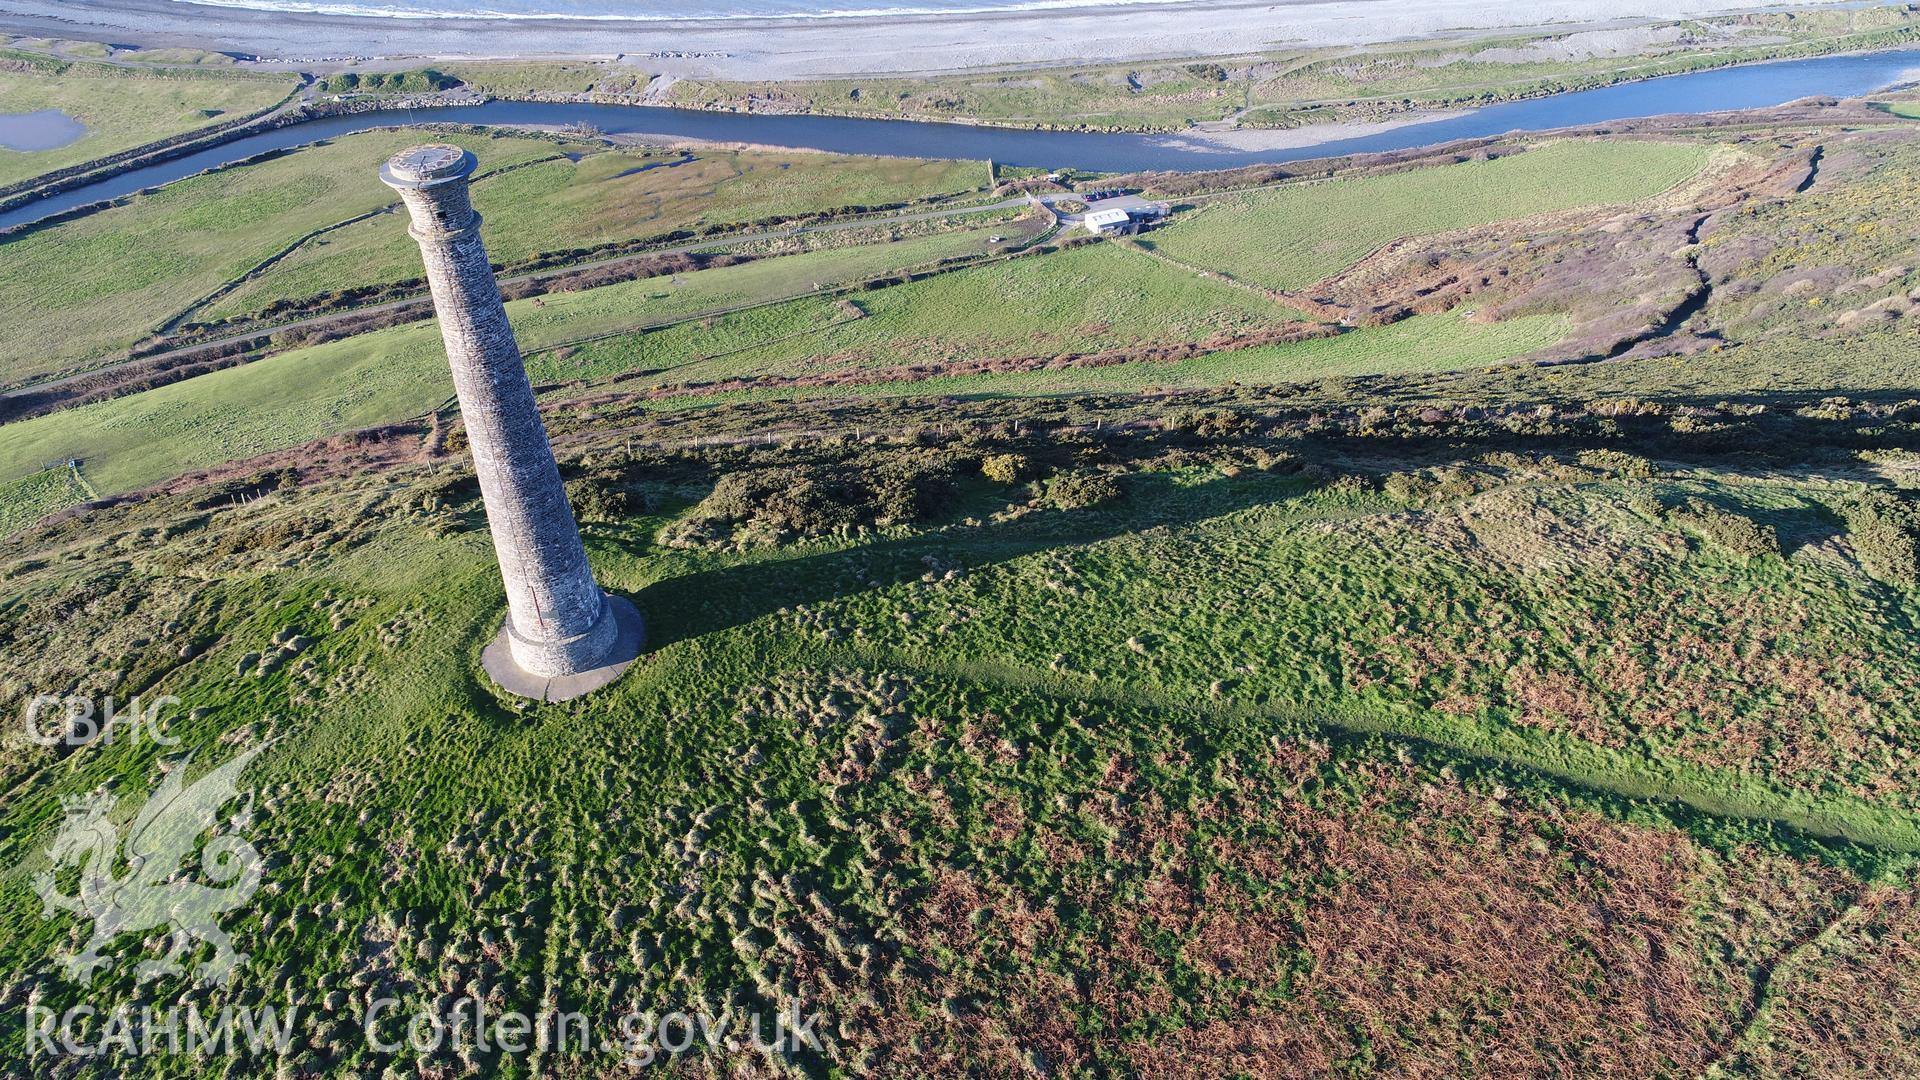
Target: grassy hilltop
{"x": 1440, "y": 616}
{"x": 1262, "y": 721}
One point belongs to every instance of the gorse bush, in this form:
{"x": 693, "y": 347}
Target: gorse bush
{"x": 792, "y": 500}
{"x": 1885, "y": 531}
{"x": 1616, "y": 463}
{"x": 1211, "y": 423}
{"x": 1079, "y": 490}
{"x": 911, "y": 493}
{"x": 1737, "y": 533}
{"x": 600, "y": 498}
{"x": 771, "y": 505}
{"x": 1006, "y": 468}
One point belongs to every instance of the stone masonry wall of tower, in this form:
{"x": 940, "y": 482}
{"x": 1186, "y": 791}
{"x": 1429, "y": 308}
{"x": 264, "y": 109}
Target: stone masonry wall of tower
{"x": 559, "y": 620}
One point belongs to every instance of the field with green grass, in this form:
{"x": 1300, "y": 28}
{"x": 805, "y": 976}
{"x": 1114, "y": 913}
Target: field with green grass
{"x": 1433, "y": 343}
{"x": 1430, "y": 343}
{"x": 27, "y": 499}
{"x": 609, "y": 196}
{"x": 1083, "y": 300}
{"x": 88, "y": 287}
{"x": 1047, "y": 312}
{"x": 510, "y": 79}
{"x": 1295, "y": 235}
{"x": 388, "y": 376}
{"x": 182, "y": 243}
{"x": 392, "y": 374}
{"x": 557, "y": 318}
{"x": 122, "y": 107}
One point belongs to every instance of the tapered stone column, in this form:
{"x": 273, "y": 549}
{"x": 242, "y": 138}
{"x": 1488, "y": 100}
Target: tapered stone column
{"x": 563, "y": 635}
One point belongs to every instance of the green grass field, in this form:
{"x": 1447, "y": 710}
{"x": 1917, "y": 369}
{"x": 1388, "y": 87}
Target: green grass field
{"x": 546, "y": 321}
{"x": 392, "y": 374}
{"x": 1085, "y": 299}
{"x": 1420, "y": 345}
{"x": 1295, "y": 235}
{"x": 84, "y": 289}
{"x": 1066, "y": 297}
{"x": 1080, "y": 300}
{"x": 603, "y": 197}
{"x": 121, "y": 107}
{"x": 510, "y": 79}
{"x": 169, "y": 249}
{"x": 29, "y": 498}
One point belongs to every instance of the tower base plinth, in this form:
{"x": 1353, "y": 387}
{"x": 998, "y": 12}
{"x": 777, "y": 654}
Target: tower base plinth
{"x": 507, "y": 674}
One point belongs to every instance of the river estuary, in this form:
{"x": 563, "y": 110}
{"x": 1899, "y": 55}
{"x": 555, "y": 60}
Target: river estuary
{"x": 1744, "y": 87}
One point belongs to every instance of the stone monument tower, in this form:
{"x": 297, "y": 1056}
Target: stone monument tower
{"x": 563, "y": 636}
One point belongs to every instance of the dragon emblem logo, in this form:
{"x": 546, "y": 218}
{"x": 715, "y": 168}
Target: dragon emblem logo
{"x": 152, "y": 892}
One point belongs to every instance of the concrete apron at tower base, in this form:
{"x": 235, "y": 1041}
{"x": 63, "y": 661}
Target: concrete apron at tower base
{"x": 629, "y": 637}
